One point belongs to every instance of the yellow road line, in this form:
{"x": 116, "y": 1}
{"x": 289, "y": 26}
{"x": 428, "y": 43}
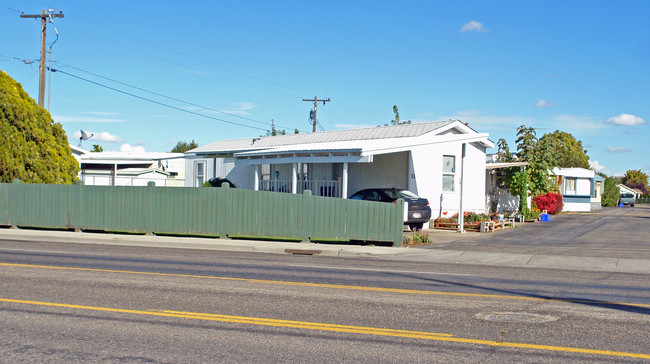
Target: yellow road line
{"x": 326, "y": 285}
{"x": 335, "y": 328}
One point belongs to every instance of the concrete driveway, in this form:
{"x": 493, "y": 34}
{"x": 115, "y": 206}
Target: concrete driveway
{"x": 611, "y": 232}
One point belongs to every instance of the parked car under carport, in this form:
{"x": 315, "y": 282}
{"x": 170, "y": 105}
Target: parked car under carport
{"x": 418, "y": 209}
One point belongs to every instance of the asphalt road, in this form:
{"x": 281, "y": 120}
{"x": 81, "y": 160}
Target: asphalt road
{"x": 102, "y": 303}
{"x": 608, "y": 232}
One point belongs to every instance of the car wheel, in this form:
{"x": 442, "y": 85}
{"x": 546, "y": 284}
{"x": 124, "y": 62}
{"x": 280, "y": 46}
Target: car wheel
{"x": 416, "y": 227}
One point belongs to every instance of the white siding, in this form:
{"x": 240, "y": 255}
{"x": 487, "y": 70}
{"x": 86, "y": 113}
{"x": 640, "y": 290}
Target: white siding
{"x": 577, "y": 206}
{"x": 583, "y": 187}
{"x": 190, "y": 170}
{"x": 427, "y": 167}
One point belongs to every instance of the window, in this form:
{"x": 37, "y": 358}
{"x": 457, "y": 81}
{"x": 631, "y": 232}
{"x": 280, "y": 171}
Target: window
{"x": 570, "y": 186}
{"x": 448, "y": 172}
{"x": 200, "y": 174}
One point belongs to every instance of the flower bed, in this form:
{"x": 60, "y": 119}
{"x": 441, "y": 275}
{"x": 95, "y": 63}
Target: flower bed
{"x": 471, "y": 221}
{"x": 474, "y": 226}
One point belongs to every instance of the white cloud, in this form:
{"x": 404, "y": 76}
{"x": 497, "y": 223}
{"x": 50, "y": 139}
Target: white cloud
{"x": 626, "y": 120}
{"x": 618, "y": 150}
{"x": 240, "y": 108}
{"x": 107, "y": 137}
{"x": 128, "y": 148}
{"x": 596, "y": 166}
{"x": 100, "y": 137}
{"x": 478, "y": 119}
{"x": 85, "y": 119}
{"x": 577, "y": 122}
{"x": 544, "y": 103}
{"x": 196, "y": 72}
{"x": 473, "y": 26}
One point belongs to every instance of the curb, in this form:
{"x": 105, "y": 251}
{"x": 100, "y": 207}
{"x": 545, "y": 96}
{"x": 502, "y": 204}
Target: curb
{"x": 621, "y": 265}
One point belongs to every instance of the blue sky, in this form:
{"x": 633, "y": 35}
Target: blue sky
{"x": 216, "y": 70}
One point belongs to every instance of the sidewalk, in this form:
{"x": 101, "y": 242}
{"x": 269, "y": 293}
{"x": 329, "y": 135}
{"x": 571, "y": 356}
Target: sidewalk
{"x": 440, "y": 252}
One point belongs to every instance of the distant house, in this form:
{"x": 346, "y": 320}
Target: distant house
{"x": 130, "y": 168}
{"x": 623, "y": 188}
{"x": 428, "y": 159}
{"x": 581, "y": 188}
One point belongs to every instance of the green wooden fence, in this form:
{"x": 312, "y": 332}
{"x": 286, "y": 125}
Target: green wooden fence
{"x": 223, "y": 212}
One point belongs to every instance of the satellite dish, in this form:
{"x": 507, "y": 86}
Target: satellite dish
{"x": 84, "y": 136}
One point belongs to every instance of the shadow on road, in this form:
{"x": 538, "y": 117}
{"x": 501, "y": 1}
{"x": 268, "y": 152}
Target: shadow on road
{"x": 626, "y": 307}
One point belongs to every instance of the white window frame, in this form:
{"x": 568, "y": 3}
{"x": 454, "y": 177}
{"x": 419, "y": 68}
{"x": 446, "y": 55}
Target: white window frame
{"x": 570, "y": 181}
{"x": 448, "y": 174}
{"x": 199, "y": 176}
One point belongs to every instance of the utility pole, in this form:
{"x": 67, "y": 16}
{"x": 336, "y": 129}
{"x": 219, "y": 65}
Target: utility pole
{"x": 313, "y": 117}
{"x": 41, "y": 81}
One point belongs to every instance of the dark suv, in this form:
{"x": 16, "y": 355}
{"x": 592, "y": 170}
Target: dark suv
{"x": 419, "y": 211}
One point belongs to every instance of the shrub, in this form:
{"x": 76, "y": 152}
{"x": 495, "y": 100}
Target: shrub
{"x": 551, "y": 202}
{"x": 217, "y": 182}
{"x": 417, "y": 238}
{"x": 612, "y": 193}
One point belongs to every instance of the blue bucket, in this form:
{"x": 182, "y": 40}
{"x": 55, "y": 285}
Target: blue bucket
{"x": 621, "y": 205}
{"x": 544, "y": 217}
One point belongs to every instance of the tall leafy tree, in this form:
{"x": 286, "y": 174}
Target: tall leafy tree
{"x": 33, "y": 148}
{"x": 97, "y": 148}
{"x": 274, "y": 131}
{"x": 396, "y": 119}
{"x": 533, "y": 179}
{"x": 540, "y": 160}
{"x": 567, "y": 151}
{"x": 635, "y": 178}
{"x": 503, "y": 152}
{"x": 183, "y": 146}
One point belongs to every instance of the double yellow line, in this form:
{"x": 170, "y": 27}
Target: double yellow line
{"x": 333, "y": 327}
{"x": 326, "y": 285}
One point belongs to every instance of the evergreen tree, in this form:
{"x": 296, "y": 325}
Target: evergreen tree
{"x": 33, "y": 148}
{"x": 611, "y": 193}
{"x": 183, "y": 146}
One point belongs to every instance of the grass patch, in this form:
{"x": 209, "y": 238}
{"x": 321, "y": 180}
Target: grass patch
{"x": 265, "y": 238}
{"x": 180, "y": 235}
{"x": 45, "y": 228}
{"x": 329, "y": 241}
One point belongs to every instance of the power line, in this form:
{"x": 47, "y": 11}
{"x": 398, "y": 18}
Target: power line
{"x": 171, "y": 50}
{"x": 26, "y": 61}
{"x": 157, "y": 102}
{"x": 167, "y": 97}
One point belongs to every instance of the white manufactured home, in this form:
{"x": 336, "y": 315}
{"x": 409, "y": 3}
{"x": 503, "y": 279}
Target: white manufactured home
{"x": 429, "y": 159}
{"x": 581, "y": 188}
{"x": 130, "y": 168}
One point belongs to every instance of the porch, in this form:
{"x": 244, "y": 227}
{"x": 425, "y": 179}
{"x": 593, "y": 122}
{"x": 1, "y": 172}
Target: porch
{"x": 323, "y": 188}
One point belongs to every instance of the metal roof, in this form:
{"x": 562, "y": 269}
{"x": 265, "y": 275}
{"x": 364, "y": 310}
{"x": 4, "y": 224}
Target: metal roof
{"x": 266, "y": 142}
{"x": 504, "y": 165}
